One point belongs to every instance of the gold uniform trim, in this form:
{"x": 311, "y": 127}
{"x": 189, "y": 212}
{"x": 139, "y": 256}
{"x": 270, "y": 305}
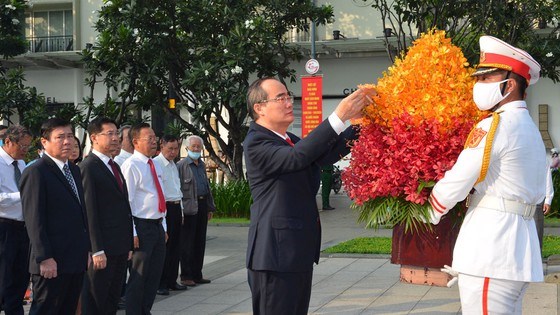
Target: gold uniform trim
{"x": 488, "y": 147}
{"x": 494, "y": 65}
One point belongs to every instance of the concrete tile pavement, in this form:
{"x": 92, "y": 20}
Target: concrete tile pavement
{"x": 343, "y": 284}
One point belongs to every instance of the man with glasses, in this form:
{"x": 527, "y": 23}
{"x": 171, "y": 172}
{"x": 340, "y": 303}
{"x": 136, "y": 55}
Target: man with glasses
{"x": 147, "y": 201}
{"x": 14, "y": 242}
{"x": 109, "y": 219}
{"x": 53, "y": 209}
{"x": 284, "y": 174}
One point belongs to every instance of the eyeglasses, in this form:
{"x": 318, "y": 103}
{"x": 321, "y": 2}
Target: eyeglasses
{"x": 149, "y": 139}
{"x": 109, "y": 134}
{"x": 281, "y": 99}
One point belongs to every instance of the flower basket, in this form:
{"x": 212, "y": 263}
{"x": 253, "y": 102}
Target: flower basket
{"x": 410, "y": 136}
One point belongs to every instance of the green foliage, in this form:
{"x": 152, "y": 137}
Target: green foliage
{"x": 232, "y": 199}
{"x": 555, "y": 205}
{"x": 12, "y": 19}
{"x": 201, "y": 52}
{"x": 551, "y": 246}
{"x": 392, "y": 211}
{"x": 363, "y": 245}
{"x": 520, "y": 23}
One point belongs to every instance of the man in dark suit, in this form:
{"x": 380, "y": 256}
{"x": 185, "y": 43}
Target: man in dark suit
{"x": 284, "y": 173}
{"x": 109, "y": 218}
{"x": 52, "y": 199}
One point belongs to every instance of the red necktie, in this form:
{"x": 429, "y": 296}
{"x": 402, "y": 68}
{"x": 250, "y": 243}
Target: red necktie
{"x": 115, "y": 169}
{"x": 289, "y": 141}
{"x": 161, "y": 198}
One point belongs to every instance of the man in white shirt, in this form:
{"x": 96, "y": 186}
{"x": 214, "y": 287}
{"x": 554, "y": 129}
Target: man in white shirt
{"x": 14, "y": 242}
{"x": 126, "y": 146}
{"x": 147, "y": 201}
{"x": 169, "y": 146}
{"x": 497, "y": 251}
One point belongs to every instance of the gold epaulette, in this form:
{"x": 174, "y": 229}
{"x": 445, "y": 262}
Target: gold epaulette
{"x": 488, "y": 146}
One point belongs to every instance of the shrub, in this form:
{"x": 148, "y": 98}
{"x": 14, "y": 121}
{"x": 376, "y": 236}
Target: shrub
{"x": 232, "y": 199}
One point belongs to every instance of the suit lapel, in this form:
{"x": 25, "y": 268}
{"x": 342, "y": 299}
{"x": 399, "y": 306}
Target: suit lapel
{"x": 58, "y": 173}
{"x": 105, "y": 170}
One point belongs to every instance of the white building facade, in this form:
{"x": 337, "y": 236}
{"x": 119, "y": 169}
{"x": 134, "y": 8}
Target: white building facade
{"x": 59, "y": 29}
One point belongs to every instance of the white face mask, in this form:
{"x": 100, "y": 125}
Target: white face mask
{"x": 487, "y": 95}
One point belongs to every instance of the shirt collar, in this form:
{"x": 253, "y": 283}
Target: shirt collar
{"x": 101, "y": 156}
{"x": 6, "y": 157}
{"x": 164, "y": 160}
{"x": 513, "y": 105}
{"x": 58, "y": 162}
{"x": 140, "y": 156}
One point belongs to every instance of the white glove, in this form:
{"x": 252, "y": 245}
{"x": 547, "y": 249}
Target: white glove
{"x": 434, "y": 217}
{"x": 447, "y": 269}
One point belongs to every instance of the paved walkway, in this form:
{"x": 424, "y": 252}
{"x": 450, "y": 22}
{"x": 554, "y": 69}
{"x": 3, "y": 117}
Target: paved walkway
{"x": 341, "y": 285}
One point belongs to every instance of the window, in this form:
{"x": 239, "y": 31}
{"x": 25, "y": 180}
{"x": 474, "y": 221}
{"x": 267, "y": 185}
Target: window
{"x": 50, "y": 30}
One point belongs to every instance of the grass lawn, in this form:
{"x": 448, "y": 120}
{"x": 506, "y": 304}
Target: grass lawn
{"x": 551, "y": 222}
{"x": 232, "y": 221}
{"x": 382, "y": 245}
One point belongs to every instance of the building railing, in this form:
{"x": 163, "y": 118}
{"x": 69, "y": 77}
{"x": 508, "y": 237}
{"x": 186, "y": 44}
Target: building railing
{"x": 51, "y": 43}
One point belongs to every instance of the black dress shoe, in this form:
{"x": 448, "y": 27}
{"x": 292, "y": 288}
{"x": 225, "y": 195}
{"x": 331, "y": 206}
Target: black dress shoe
{"x": 177, "y": 287}
{"x": 328, "y": 208}
{"x": 202, "y": 281}
{"x": 162, "y": 292}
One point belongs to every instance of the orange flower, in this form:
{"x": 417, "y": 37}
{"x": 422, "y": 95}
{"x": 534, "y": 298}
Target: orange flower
{"x": 431, "y": 82}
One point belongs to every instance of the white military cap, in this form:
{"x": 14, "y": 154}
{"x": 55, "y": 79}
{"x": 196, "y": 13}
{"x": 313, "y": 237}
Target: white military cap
{"x": 495, "y": 54}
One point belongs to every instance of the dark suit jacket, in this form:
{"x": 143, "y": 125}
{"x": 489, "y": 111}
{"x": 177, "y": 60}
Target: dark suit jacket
{"x": 285, "y": 230}
{"x": 56, "y": 221}
{"x": 108, "y": 210}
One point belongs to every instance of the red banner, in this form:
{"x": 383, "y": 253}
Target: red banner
{"x": 311, "y": 103}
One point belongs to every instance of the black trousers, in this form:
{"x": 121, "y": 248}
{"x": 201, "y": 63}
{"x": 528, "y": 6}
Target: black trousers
{"x": 280, "y": 292}
{"x": 172, "y": 247}
{"x": 56, "y": 296}
{"x": 193, "y": 236}
{"x": 102, "y": 288}
{"x": 147, "y": 266}
{"x": 14, "y": 275}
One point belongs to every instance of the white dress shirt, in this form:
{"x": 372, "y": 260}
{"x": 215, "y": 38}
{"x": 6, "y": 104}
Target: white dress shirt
{"x": 171, "y": 181}
{"x": 123, "y": 156}
{"x": 493, "y": 243}
{"x": 10, "y": 202}
{"x": 549, "y": 189}
{"x": 142, "y": 191}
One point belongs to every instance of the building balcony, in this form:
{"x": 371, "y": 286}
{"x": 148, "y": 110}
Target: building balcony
{"x": 42, "y": 44}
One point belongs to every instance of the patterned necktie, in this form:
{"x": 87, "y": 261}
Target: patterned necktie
{"x": 17, "y": 173}
{"x": 161, "y": 199}
{"x": 115, "y": 169}
{"x": 289, "y": 141}
{"x": 70, "y": 179}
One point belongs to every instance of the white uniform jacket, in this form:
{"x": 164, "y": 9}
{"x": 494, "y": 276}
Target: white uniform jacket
{"x": 493, "y": 243}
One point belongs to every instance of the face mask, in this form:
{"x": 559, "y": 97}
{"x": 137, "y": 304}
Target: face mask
{"x": 487, "y": 95}
{"x": 1, "y": 143}
{"x": 193, "y": 155}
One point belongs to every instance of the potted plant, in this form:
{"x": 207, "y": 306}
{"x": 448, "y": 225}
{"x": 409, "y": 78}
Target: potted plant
{"x": 410, "y": 136}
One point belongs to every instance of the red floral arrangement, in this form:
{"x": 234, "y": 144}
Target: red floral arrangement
{"x": 412, "y": 133}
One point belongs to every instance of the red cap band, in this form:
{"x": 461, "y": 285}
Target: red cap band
{"x": 500, "y": 61}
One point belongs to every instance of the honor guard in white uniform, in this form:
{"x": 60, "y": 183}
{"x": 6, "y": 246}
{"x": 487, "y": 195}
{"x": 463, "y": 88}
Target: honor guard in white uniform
{"x": 503, "y": 167}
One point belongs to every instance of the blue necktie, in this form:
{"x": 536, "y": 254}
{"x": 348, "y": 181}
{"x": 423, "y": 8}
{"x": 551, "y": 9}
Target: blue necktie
{"x": 17, "y": 173}
{"x": 70, "y": 179}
